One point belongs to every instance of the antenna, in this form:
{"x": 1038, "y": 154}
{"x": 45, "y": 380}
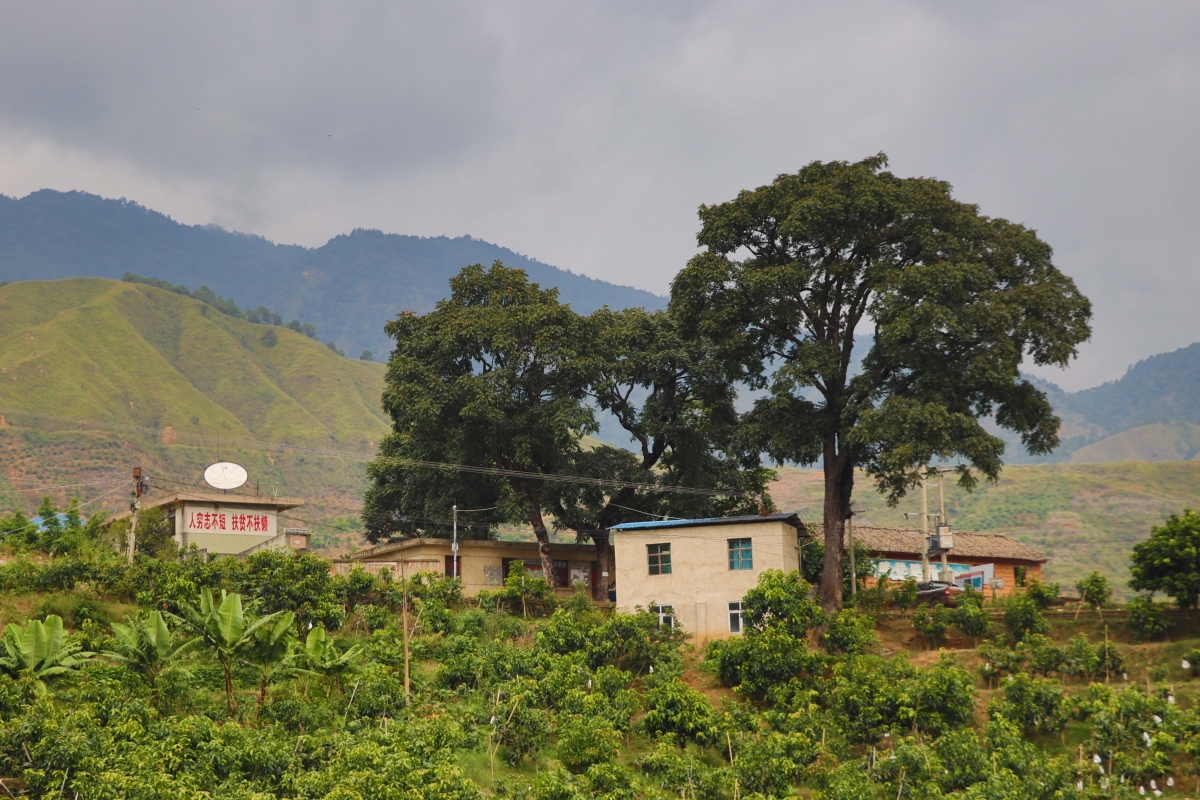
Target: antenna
{"x": 225, "y": 475}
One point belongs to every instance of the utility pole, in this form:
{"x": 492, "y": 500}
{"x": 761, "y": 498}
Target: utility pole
{"x": 404, "y": 613}
{"x": 925, "y": 527}
{"x": 139, "y": 486}
{"x": 943, "y": 523}
{"x": 454, "y": 546}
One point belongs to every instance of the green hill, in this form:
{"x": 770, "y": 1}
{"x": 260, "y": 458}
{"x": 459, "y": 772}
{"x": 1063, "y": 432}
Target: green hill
{"x": 132, "y": 355}
{"x": 1083, "y": 516}
{"x": 348, "y": 287}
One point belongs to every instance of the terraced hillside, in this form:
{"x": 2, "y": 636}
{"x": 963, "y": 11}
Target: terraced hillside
{"x": 1083, "y": 516}
{"x": 161, "y": 370}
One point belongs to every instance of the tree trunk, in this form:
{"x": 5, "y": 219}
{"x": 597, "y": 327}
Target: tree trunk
{"x": 839, "y": 483}
{"x": 229, "y": 684}
{"x": 539, "y": 530}
{"x": 604, "y": 562}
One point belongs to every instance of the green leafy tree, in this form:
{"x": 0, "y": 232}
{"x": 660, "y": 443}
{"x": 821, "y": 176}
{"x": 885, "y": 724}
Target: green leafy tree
{"x": 674, "y": 707}
{"x": 956, "y": 301}
{"x": 37, "y": 651}
{"x": 271, "y": 652}
{"x": 1169, "y": 561}
{"x": 1147, "y": 619}
{"x": 1022, "y": 616}
{"x": 1095, "y": 590}
{"x": 673, "y": 398}
{"x": 584, "y": 741}
{"x": 1037, "y": 705}
{"x": 1044, "y": 594}
{"x": 225, "y": 630}
{"x": 932, "y": 622}
{"x": 322, "y": 656}
{"x": 492, "y": 379}
{"x": 782, "y": 600}
{"x": 972, "y": 620}
{"x": 849, "y": 632}
{"x": 148, "y": 646}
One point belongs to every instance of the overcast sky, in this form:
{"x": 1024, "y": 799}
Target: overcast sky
{"x": 586, "y": 134}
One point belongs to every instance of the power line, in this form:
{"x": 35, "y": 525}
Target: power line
{"x": 404, "y": 462}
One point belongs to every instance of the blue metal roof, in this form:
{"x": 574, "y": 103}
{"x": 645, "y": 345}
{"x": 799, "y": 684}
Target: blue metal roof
{"x": 790, "y": 518}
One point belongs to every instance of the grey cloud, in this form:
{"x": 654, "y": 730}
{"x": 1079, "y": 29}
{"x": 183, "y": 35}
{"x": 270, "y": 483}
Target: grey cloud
{"x": 586, "y": 134}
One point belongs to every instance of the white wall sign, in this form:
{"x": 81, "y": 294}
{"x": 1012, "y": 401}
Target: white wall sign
{"x": 210, "y": 519}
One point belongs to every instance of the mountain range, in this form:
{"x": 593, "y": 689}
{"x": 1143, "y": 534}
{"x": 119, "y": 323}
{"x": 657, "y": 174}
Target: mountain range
{"x": 348, "y": 288}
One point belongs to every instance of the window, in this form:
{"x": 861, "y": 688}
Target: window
{"x": 453, "y": 566}
{"x": 562, "y": 574}
{"x": 666, "y": 616}
{"x": 740, "y": 554}
{"x": 660, "y": 558}
{"x": 735, "y": 617}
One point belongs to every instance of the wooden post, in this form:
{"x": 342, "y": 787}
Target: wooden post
{"x": 404, "y": 620}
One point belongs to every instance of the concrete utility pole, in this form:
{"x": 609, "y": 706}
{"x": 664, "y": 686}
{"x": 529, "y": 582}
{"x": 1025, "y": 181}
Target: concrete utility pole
{"x": 139, "y": 486}
{"x": 454, "y": 546}
{"x": 942, "y": 521}
{"x": 924, "y": 528}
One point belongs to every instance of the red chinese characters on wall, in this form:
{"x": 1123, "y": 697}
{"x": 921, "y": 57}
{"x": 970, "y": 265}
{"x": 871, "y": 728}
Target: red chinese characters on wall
{"x": 229, "y": 521}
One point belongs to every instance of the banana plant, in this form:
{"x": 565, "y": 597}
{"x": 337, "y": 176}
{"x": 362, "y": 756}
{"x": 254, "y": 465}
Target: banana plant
{"x": 148, "y": 646}
{"x": 225, "y": 630}
{"x": 272, "y": 653}
{"x": 321, "y": 656}
{"x": 39, "y": 650}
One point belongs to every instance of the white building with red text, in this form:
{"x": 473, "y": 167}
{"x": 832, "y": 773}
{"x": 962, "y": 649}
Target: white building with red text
{"x": 229, "y": 524}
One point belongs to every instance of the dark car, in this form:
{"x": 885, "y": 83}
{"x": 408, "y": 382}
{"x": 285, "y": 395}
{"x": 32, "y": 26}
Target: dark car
{"x": 938, "y": 592}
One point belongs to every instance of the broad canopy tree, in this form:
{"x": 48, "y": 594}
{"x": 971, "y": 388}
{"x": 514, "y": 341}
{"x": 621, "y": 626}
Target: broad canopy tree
{"x": 796, "y": 274}
{"x": 493, "y": 379}
{"x": 673, "y": 398}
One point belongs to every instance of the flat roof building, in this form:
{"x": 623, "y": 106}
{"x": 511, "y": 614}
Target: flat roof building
{"x": 695, "y": 572}
{"x": 229, "y": 524}
{"x": 481, "y": 564}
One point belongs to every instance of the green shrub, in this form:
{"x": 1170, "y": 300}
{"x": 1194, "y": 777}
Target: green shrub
{"x": 932, "y": 622}
{"x": 1147, "y": 619}
{"x": 1022, "y": 617}
{"x": 905, "y": 595}
{"x": 1080, "y": 658}
{"x": 1169, "y": 561}
{"x": 584, "y": 741}
{"x": 972, "y": 620}
{"x": 1095, "y": 591}
{"x": 757, "y": 661}
{"x": 1037, "y": 705}
{"x": 674, "y": 707}
{"x": 1044, "y": 594}
{"x": 1041, "y": 654}
{"x": 781, "y": 600}
{"x": 849, "y": 633}
{"x": 1191, "y": 662}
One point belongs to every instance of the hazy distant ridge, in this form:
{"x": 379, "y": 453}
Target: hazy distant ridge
{"x": 348, "y": 287}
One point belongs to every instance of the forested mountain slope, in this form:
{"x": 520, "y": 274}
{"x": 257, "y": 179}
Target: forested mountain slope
{"x": 349, "y": 287}
{"x": 133, "y": 355}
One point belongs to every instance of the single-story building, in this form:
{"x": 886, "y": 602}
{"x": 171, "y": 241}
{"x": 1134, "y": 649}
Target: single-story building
{"x": 481, "y": 564}
{"x": 695, "y": 572}
{"x": 229, "y": 524}
{"x": 976, "y": 558}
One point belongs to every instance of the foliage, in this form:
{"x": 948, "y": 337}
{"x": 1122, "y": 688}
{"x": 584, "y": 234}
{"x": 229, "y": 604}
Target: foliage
{"x": 875, "y": 696}
{"x": 148, "y": 647}
{"x": 1037, "y": 705}
{"x": 972, "y": 620}
{"x": 1169, "y": 561}
{"x": 673, "y": 707}
{"x": 849, "y": 632}
{"x": 260, "y": 315}
{"x": 1147, "y": 619}
{"x": 905, "y": 595}
{"x": 1043, "y": 594}
{"x": 1095, "y": 590}
{"x": 493, "y": 377}
{"x": 932, "y": 620}
{"x": 584, "y": 741}
{"x": 1022, "y": 616}
{"x": 956, "y": 302}
{"x": 757, "y": 661}
{"x": 38, "y": 651}
{"x": 225, "y": 629}
{"x": 781, "y": 600}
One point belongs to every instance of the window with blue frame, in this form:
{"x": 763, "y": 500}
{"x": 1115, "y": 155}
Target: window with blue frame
{"x": 741, "y": 555}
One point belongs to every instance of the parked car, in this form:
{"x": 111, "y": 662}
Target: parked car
{"x": 938, "y": 592}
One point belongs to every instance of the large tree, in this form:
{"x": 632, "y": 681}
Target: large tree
{"x": 492, "y": 379}
{"x": 672, "y": 397}
{"x": 945, "y": 302}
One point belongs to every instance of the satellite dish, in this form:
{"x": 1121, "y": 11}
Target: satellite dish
{"x": 225, "y": 475}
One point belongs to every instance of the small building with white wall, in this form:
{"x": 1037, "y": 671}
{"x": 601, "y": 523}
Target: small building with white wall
{"x": 229, "y": 524}
{"x": 695, "y": 572}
